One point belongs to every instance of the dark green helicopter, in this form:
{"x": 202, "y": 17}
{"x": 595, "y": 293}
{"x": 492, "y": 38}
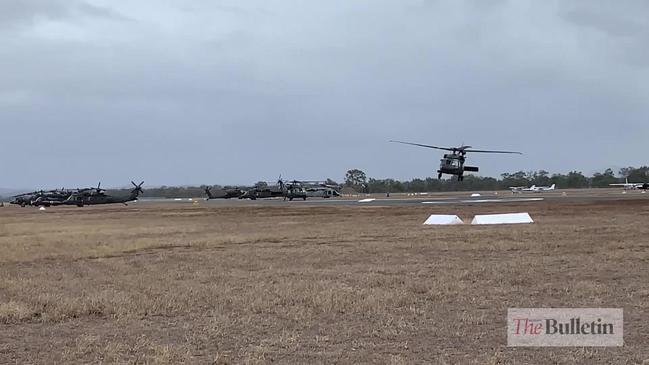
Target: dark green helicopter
{"x": 225, "y": 193}
{"x": 53, "y": 197}
{"x": 291, "y": 190}
{"x": 24, "y": 199}
{"x": 97, "y": 196}
{"x": 41, "y": 198}
{"x": 453, "y": 163}
{"x": 321, "y": 189}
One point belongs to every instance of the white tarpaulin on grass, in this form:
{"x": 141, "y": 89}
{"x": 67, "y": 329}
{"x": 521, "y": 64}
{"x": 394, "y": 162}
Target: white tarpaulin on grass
{"x": 511, "y": 218}
{"x": 441, "y": 219}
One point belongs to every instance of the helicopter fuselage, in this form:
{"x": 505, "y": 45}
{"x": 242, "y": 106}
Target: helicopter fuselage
{"x": 453, "y": 164}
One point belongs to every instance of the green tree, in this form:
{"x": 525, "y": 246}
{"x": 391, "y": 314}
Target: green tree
{"x": 639, "y": 175}
{"x": 519, "y": 178}
{"x": 540, "y": 178}
{"x": 355, "y": 178}
{"x": 576, "y": 179}
{"x": 601, "y": 180}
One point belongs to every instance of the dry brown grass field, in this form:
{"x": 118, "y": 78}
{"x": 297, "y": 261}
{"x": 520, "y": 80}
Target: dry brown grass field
{"x": 213, "y": 283}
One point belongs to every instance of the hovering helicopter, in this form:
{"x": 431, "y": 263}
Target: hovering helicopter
{"x": 453, "y": 163}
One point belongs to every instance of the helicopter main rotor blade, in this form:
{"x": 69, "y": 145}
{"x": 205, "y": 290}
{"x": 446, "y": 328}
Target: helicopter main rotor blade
{"x": 425, "y": 145}
{"x": 487, "y": 151}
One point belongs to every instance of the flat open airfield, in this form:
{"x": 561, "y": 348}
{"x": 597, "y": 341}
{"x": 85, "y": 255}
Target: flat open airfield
{"x": 316, "y": 282}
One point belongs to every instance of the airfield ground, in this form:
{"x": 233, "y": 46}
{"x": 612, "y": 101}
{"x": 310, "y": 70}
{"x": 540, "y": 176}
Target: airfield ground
{"x": 164, "y": 282}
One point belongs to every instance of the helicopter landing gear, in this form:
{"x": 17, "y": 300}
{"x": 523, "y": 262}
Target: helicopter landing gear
{"x": 439, "y": 176}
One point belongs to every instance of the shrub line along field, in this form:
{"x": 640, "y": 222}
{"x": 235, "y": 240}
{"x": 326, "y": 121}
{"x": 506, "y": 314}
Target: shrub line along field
{"x": 210, "y": 283}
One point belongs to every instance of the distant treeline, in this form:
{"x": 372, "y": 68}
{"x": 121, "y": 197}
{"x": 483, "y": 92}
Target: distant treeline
{"x": 571, "y": 180}
{"x": 357, "y": 180}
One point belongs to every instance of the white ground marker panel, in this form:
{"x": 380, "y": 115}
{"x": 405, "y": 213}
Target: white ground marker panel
{"x": 511, "y": 218}
{"x": 440, "y": 219}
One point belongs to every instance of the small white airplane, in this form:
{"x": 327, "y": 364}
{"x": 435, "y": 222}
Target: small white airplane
{"x": 632, "y": 186}
{"x": 533, "y": 189}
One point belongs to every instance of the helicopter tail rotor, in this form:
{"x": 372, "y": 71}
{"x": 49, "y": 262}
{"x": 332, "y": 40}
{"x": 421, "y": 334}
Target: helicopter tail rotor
{"x": 137, "y": 190}
{"x": 280, "y": 182}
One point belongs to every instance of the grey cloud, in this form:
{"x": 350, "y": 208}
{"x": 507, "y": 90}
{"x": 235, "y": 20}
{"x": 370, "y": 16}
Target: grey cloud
{"x": 614, "y": 18}
{"x": 625, "y": 23}
{"x": 234, "y": 92}
{"x": 24, "y": 13}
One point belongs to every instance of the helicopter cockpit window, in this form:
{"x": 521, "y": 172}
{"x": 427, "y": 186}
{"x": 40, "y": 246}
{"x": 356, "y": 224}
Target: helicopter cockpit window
{"x": 451, "y": 162}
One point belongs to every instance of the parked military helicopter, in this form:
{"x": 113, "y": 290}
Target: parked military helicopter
{"x": 319, "y": 189}
{"x": 226, "y": 193}
{"x": 98, "y": 196}
{"x": 46, "y": 198}
{"x": 453, "y": 163}
{"x": 24, "y": 199}
{"x": 92, "y": 191}
{"x": 322, "y": 192}
{"x": 41, "y": 198}
{"x": 293, "y": 190}
{"x": 289, "y": 191}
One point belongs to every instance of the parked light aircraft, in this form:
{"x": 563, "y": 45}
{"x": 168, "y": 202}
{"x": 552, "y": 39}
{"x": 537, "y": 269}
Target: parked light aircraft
{"x": 532, "y": 189}
{"x": 632, "y": 186}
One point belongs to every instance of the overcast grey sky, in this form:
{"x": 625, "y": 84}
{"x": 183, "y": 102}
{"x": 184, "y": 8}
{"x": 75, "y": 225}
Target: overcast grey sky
{"x": 191, "y": 92}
